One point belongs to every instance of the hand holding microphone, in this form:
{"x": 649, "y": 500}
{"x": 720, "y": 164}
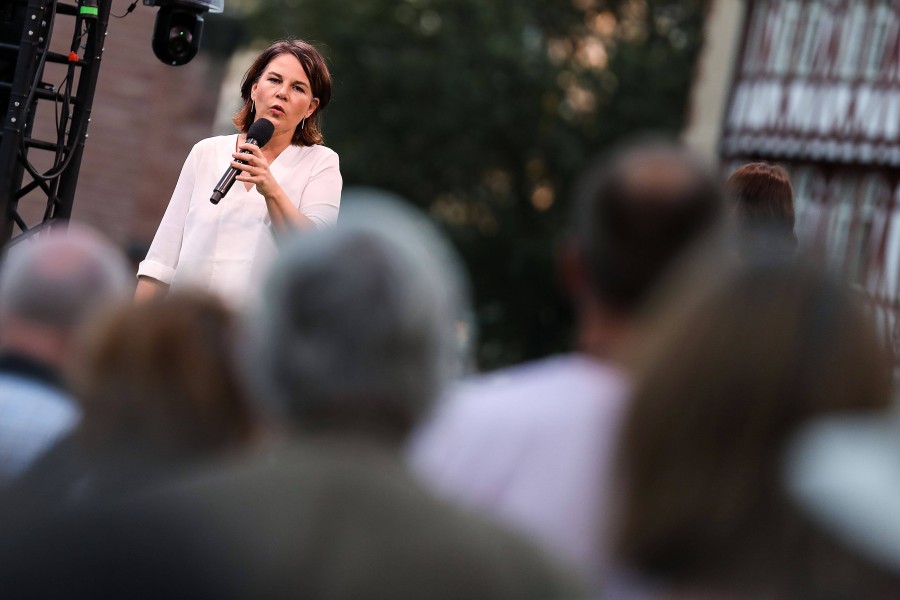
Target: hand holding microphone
{"x": 259, "y": 134}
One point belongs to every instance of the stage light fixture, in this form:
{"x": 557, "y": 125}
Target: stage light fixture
{"x": 179, "y": 28}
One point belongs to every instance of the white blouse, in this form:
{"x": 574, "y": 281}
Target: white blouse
{"x": 227, "y": 247}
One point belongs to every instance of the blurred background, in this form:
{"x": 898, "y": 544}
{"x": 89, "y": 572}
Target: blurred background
{"x": 483, "y": 111}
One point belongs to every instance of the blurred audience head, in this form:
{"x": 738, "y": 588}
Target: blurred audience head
{"x": 358, "y": 324}
{"x": 763, "y": 207}
{"x": 746, "y": 356}
{"x": 159, "y": 377}
{"x": 841, "y": 472}
{"x": 636, "y": 212}
{"x": 52, "y": 283}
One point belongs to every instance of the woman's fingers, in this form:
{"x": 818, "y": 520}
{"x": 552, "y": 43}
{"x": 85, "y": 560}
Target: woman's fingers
{"x": 252, "y": 165}
{"x": 246, "y": 163}
{"x": 250, "y": 149}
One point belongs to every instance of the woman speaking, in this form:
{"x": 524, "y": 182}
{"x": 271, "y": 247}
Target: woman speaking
{"x": 290, "y": 182}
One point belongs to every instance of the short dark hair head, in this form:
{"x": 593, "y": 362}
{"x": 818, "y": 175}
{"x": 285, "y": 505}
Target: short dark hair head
{"x": 636, "y": 212}
{"x": 763, "y": 206}
{"x": 762, "y": 193}
{"x": 319, "y": 79}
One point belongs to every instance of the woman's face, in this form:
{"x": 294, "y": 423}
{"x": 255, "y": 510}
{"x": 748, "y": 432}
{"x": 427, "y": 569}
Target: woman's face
{"x": 283, "y": 93}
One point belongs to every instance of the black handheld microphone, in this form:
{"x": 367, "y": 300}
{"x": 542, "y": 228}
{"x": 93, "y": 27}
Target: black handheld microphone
{"x": 259, "y": 134}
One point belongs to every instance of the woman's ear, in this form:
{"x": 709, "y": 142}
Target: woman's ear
{"x": 313, "y": 105}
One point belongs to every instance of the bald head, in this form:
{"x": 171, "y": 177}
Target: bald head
{"x": 56, "y": 280}
{"x": 636, "y": 212}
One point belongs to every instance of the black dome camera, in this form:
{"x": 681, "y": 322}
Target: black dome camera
{"x": 178, "y": 28}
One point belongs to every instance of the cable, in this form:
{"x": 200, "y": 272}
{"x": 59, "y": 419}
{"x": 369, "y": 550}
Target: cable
{"x": 61, "y": 149}
{"x": 34, "y": 85}
{"x": 77, "y": 40}
{"x": 128, "y": 11}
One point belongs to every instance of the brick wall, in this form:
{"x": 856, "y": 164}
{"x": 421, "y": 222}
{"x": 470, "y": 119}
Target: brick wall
{"x": 145, "y": 118}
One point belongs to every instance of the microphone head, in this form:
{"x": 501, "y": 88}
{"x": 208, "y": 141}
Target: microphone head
{"x": 261, "y": 130}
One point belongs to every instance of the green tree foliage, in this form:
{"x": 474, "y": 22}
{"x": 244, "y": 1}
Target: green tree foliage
{"x": 483, "y": 111}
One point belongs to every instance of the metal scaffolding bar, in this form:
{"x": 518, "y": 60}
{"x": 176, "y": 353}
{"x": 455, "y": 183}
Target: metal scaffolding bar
{"x": 35, "y": 22}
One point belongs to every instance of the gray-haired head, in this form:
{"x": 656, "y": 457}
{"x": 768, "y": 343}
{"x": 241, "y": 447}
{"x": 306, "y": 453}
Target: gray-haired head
{"x": 59, "y": 278}
{"x": 358, "y": 324}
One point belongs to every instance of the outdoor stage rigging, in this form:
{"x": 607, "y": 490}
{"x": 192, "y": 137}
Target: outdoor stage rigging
{"x": 50, "y": 52}
{"x": 46, "y": 94}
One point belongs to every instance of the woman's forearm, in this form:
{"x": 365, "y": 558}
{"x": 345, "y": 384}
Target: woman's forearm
{"x": 284, "y": 214}
{"x": 148, "y": 289}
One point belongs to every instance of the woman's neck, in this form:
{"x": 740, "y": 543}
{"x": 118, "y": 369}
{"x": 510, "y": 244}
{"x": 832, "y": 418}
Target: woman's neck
{"x": 275, "y": 146}
{"x": 280, "y": 140}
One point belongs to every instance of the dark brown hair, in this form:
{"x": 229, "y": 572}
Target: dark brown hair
{"x": 636, "y": 212}
{"x": 726, "y": 378}
{"x": 763, "y": 195}
{"x": 159, "y": 377}
{"x": 319, "y": 80}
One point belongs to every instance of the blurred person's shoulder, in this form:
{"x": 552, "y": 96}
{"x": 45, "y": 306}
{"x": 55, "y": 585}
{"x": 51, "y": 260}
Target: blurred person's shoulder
{"x": 386, "y": 535}
{"x": 556, "y": 386}
{"x": 495, "y": 423}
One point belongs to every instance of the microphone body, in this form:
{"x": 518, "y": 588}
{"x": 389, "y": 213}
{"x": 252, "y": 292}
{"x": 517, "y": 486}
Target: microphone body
{"x": 228, "y": 177}
{"x": 259, "y": 134}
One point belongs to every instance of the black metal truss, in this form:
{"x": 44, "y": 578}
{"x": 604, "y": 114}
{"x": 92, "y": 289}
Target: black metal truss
{"x": 53, "y": 183}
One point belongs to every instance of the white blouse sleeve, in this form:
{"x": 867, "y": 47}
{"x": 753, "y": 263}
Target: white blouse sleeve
{"x": 162, "y": 258}
{"x": 321, "y": 198}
